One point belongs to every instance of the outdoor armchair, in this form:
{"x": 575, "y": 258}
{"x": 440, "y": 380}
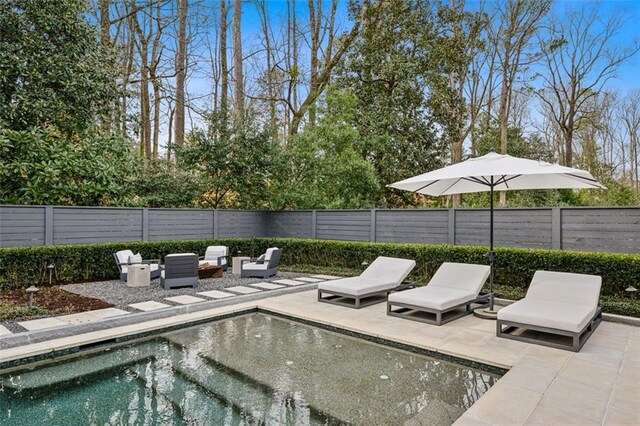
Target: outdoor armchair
{"x": 125, "y": 258}
{"x": 215, "y": 256}
{"x": 179, "y": 270}
{"x": 382, "y": 277}
{"x": 559, "y": 306}
{"x": 262, "y": 267}
{"x": 451, "y": 293}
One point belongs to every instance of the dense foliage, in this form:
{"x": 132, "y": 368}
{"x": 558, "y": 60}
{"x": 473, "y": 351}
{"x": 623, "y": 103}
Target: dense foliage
{"x": 21, "y": 267}
{"x": 53, "y": 70}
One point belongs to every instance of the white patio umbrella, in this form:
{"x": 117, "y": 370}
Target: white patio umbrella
{"x": 496, "y": 172}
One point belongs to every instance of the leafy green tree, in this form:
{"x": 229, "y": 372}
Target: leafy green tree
{"x": 322, "y": 167}
{"x": 47, "y": 166}
{"x": 52, "y": 69}
{"x": 161, "y": 183}
{"x": 390, "y": 68}
{"x": 232, "y": 166}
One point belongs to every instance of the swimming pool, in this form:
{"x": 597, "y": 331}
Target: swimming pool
{"x": 251, "y": 369}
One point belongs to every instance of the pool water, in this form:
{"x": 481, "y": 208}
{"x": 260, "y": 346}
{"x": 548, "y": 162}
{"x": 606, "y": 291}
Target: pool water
{"x": 251, "y": 369}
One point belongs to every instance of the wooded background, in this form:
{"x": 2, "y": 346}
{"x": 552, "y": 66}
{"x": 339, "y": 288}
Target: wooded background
{"x": 308, "y": 104}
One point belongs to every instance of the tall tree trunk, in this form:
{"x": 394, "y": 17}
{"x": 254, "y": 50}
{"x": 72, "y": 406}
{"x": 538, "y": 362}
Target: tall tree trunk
{"x": 156, "y": 117}
{"x": 314, "y": 28}
{"x": 145, "y": 119}
{"x": 503, "y": 117}
{"x": 105, "y": 41}
{"x": 181, "y": 70}
{"x": 224, "y": 68}
{"x": 237, "y": 61}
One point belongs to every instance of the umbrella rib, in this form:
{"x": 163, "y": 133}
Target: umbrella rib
{"x": 429, "y": 184}
{"x": 476, "y": 180}
{"x": 451, "y": 186}
{"x": 590, "y": 181}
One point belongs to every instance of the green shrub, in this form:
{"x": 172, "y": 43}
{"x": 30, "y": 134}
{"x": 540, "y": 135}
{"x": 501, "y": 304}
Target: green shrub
{"x": 23, "y": 266}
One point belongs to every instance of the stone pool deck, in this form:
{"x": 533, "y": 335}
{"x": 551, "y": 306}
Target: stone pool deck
{"x": 544, "y": 386}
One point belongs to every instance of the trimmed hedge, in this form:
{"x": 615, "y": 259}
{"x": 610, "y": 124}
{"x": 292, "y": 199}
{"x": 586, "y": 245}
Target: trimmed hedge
{"x": 24, "y": 266}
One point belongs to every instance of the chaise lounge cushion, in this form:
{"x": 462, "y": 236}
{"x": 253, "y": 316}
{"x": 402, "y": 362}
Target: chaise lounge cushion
{"x": 356, "y": 286}
{"x": 452, "y": 284}
{"x": 433, "y": 297}
{"x": 558, "y": 300}
{"x": 561, "y": 316}
{"x": 384, "y": 273}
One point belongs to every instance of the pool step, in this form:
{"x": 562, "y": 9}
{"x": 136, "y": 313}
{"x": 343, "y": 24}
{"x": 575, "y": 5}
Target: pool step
{"x": 81, "y": 368}
{"x": 189, "y": 400}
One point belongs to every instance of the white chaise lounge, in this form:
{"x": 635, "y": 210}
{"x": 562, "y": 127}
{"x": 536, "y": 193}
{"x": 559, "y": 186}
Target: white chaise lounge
{"x": 382, "y": 277}
{"x": 557, "y": 303}
{"x": 450, "y": 294}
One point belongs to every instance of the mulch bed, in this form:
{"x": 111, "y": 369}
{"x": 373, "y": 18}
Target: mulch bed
{"x": 46, "y": 301}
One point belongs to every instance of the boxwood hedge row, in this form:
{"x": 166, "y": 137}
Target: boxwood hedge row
{"x": 23, "y": 266}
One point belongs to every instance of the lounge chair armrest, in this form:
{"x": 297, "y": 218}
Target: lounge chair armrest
{"x": 151, "y": 261}
{"x": 220, "y": 259}
{"x": 200, "y": 257}
{"x": 243, "y": 261}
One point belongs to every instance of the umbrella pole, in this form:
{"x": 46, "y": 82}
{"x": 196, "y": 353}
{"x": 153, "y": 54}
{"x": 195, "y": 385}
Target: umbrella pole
{"x": 491, "y": 248}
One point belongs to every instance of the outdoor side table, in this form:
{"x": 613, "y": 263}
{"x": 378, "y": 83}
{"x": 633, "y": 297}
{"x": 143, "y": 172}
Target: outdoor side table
{"x": 237, "y": 264}
{"x": 138, "y": 275}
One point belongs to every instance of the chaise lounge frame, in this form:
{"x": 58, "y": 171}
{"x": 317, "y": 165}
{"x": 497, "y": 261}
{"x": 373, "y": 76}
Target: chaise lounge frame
{"x": 506, "y": 328}
{"x": 379, "y": 297}
{"x": 407, "y": 311}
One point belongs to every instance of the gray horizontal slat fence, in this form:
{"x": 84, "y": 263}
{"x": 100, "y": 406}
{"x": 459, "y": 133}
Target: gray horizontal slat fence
{"x": 180, "y": 224}
{"x": 615, "y": 230}
{"x": 91, "y": 225}
{"x": 349, "y": 225}
{"x": 291, "y": 224}
{"x": 22, "y": 226}
{"x": 241, "y": 224}
{"x": 530, "y": 228}
{"x": 412, "y": 226}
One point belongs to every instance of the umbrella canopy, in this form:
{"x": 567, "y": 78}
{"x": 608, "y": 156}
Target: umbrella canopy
{"x": 497, "y": 172}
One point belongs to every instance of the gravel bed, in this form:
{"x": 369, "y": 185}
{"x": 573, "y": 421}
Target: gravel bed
{"x": 120, "y": 295}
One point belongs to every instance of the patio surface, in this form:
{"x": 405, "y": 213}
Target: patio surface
{"x": 598, "y": 385}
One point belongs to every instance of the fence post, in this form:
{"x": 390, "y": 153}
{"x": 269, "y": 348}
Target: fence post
{"x": 145, "y": 224}
{"x": 372, "y": 229}
{"x": 556, "y": 228}
{"x": 215, "y": 224}
{"x": 314, "y": 222}
{"x": 452, "y": 226}
{"x": 48, "y": 226}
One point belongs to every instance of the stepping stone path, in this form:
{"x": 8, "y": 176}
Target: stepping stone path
{"x": 309, "y": 279}
{"x": 4, "y": 331}
{"x": 267, "y": 286}
{"x": 289, "y": 282}
{"x": 243, "y": 289}
{"x": 215, "y": 294}
{"x": 184, "y": 299}
{"x": 72, "y": 319}
{"x": 326, "y": 277}
{"x": 149, "y": 306}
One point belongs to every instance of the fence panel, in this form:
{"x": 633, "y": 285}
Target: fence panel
{"x": 530, "y": 228}
{"x": 180, "y": 224}
{"x": 22, "y": 226}
{"x": 412, "y": 226}
{"x": 291, "y": 224}
{"x": 74, "y": 225}
{"x": 241, "y": 224}
{"x": 349, "y": 225}
{"x": 608, "y": 230}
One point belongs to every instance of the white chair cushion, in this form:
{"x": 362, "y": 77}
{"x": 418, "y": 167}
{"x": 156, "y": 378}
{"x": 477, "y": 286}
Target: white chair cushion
{"x": 268, "y": 253}
{"x": 252, "y": 266}
{"x": 124, "y": 255}
{"x": 135, "y": 259}
{"x": 462, "y": 276}
{"x": 577, "y": 289}
{"x": 357, "y": 286}
{"x": 433, "y": 297}
{"x": 214, "y": 252}
{"x": 389, "y": 269}
{"x": 558, "y": 315}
